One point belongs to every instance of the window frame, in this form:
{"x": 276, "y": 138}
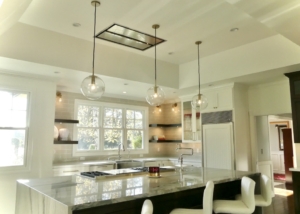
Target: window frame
{"x": 25, "y": 167}
{"x": 101, "y": 150}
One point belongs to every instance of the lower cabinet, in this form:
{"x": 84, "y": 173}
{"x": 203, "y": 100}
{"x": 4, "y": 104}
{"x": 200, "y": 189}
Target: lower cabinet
{"x": 75, "y": 170}
{"x": 69, "y": 170}
{"x": 158, "y": 163}
{"x": 186, "y": 162}
{"x": 101, "y": 167}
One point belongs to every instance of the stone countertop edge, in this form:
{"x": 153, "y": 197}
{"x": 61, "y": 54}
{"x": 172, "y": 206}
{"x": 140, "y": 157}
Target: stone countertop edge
{"x": 146, "y": 195}
{"x": 41, "y": 185}
{"x": 294, "y": 169}
{"x": 108, "y": 162}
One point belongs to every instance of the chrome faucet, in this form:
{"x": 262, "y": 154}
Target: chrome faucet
{"x": 119, "y": 149}
{"x": 120, "y": 146}
{"x": 180, "y": 159}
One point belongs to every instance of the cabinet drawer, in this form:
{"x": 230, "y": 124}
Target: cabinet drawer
{"x": 101, "y": 167}
{"x": 166, "y": 163}
{"x": 73, "y": 170}
{"x": 151, "y": 163}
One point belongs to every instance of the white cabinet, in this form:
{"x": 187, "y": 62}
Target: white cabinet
{"x": 166, "y": 163}
{"x": 69, "y": 170}
{"x": 76, "y": 169}
{"x": 101, "y": 167}
{"x": 191, "y": 122}
{"x": 218, "y": 146}
{"x": 219, "y": 99}
{"x": 158, "y": 163}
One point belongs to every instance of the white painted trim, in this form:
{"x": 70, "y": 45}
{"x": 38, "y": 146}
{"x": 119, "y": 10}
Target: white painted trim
{"x": 266, "y": 168}
{"x": 26, "y": 167}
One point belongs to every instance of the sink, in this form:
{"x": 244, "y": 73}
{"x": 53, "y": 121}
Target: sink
{"x": 127, "y": 163}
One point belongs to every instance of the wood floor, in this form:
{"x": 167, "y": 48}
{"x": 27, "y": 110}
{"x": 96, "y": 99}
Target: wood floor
{"x": 281, "y": 204}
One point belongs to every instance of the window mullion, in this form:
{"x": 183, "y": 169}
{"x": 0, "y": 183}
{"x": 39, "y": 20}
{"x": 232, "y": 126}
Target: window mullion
{"x": 124, "y": 127}
{"x": 113, "y": 134}
{"x": 101, "y": 130}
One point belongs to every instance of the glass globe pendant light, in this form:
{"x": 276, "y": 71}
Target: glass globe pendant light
{"x": 199, "y": 101}
{"x": 92, "y": 87}
{"x": 155, "y": 94}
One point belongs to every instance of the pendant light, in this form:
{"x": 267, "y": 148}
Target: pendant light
{"x": 92, "y": 87}
{"x": 199, "y": 101}
{"x": 155, "y": 95}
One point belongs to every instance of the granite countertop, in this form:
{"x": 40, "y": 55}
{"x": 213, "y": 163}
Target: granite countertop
{"x": 106, "y": 162}
{"x": 294, "y": 169}
{"x": 78, "y": 192}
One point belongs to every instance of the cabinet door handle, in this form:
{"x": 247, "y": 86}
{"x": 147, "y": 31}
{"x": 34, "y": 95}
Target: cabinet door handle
{"x": 71, "y": 171}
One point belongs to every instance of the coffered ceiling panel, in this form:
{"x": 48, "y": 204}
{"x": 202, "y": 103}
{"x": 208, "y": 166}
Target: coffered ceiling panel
{"x": 181, "y": 23}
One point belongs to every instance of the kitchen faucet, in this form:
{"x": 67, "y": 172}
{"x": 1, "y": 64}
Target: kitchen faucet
{"x": 180, "y": 159}
{"x": 120, "y": 146}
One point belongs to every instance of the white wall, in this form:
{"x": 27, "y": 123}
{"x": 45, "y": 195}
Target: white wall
{"x": 268, "y": 99}
{"x": 76, "y": 54}
{"x": 263, "y": 140}
{"x": 42, "y": 94}
{"x": 252, "y": 58}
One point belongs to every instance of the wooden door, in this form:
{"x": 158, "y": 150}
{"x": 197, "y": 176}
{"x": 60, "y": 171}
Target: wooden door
{"x": 288, "y": 154}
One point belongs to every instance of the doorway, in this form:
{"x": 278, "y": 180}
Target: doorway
{"x": 273, "y": 132}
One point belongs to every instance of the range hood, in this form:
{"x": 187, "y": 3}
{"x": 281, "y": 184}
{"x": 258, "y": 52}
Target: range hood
{"x": 128, "y": 37}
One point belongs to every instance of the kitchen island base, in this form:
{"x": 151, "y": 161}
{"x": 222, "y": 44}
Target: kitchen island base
{"x": 164, "y": 204}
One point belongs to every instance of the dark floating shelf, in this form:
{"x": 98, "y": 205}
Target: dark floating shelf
{"x": 65, "y": 142}
{"x": 65, "y": 121}
{"x": 165, "y": 125}
{"x": 165, "y": 141}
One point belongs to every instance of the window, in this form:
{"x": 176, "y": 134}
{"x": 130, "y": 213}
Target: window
{"x": 13, "y": 128}
{"x": 104, "y": 126}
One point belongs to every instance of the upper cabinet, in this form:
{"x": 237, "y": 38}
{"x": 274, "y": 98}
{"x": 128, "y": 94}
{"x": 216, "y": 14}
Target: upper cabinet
{"x": 191, "y": 122}
{"x": 219, "y": 99}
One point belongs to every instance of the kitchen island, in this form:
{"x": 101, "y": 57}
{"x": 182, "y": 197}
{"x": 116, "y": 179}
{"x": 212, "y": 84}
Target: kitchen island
{"x": 126, "y": 193}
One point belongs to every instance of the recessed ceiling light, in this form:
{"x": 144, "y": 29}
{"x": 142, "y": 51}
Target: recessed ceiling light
{"x": 125, "y": 83}
{"x": 171, "y": 53}
{"x": 124, "y": 92}
{"x": 76, "y": 24}
{"x": 210, "y": 84}
{"x": 56, "y": 72}
{"x": 234, "y": 29}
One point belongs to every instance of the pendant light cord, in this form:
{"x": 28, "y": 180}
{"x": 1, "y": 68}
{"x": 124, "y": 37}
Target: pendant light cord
{"x": 199, "y": 67}
{"x": 155, "y": 56}
{"x": 94, "y": 38}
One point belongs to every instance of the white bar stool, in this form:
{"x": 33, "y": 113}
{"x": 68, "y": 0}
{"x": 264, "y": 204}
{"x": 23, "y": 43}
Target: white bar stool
{"x": 265, "y": 198}
{"x": 147, "y": 207}
{"x": 207, "y": 202}
{"x": 245, "y": 205}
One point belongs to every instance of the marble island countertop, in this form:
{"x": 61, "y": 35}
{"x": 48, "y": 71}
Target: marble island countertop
{"x": 77, "y": 192}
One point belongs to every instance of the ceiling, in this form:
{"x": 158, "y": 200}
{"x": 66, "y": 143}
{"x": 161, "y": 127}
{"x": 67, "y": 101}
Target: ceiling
{"x": 181, "y": 24}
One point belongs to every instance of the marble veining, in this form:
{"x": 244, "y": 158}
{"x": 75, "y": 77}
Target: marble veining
{"x": 78, "y": 192}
